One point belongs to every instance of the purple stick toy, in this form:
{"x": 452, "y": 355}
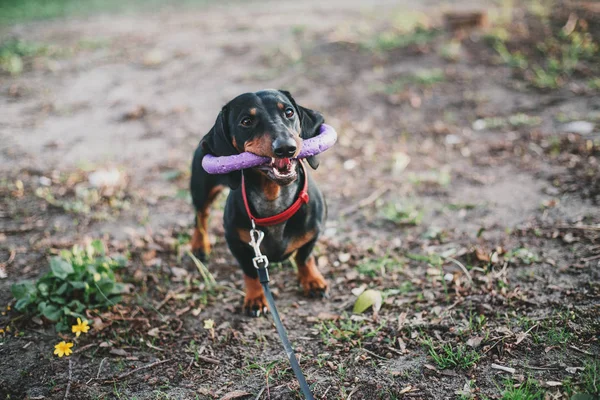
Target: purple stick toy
{"x": 310, "y": 147}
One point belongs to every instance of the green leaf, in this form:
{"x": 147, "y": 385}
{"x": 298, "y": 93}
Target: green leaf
{"x": 582, "y": 396}
{"x": 22, "y": 304}
{"x": 58, "y": 300}
{"x": 62, "y": 289}
{"x": 60, "y": 267}
{"x": 78, "y": 284}
{"x": 367, "y": 299}
{"x": 77, "y": 306}
{"x": 52, "y": 312}
{"x": 43, "y": 288}
{"x": 98, "y": 247}
{"x": 119, "y": 288}
{"x": 23, "y": 290}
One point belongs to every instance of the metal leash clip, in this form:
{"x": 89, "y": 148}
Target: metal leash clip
{"x": 259, "y": 260}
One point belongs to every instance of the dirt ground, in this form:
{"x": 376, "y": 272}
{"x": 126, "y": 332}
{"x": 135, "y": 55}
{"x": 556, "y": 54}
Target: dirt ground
{"x": 456, "y": 189}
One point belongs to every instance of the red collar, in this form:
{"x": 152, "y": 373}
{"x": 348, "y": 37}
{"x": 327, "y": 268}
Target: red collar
{"x": 285, "y": 215}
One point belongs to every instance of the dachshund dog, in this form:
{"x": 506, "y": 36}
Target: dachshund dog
{"x": 267, "y": 123}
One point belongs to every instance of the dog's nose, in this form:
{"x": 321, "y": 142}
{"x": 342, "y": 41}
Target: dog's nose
{"x": 284, "y": 148}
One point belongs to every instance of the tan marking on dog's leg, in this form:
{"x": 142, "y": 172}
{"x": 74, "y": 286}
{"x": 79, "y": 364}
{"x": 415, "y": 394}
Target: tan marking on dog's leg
{"x": 310, "y": 277}
{"x": 200, "y": 241}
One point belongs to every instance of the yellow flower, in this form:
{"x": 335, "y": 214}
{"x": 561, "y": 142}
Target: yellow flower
{"x": 80, "y": 327}
{"x": 1, "y": 331}
{"x": 63, "y": 349}
{"x": 97, "y": 277}
{"x": 209, "y": 324}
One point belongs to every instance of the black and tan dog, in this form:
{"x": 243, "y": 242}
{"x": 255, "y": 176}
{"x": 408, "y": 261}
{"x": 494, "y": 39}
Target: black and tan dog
{"x": 267, "y": 123}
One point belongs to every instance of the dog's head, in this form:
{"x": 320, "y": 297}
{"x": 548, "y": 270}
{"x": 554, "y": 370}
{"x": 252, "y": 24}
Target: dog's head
{"x": 268, "y": 123}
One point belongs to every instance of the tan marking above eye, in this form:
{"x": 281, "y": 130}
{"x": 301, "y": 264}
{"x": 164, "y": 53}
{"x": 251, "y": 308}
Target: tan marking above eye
{"x": 253, "y": 111}
{"x": 280, "y": 106}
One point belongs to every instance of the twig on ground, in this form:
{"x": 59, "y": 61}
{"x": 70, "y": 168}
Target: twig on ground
{"x": 326, "y": 391}
{"x": 580, "y": 227}
{"x": 209, "y": 360}
{"x": 352, "y": 392}
{"x": 364, "y": 202}
{"x": 70, "y": 376}
{"x": 591, "y": 258}
{"x": 464, "y": 269}
{"x": 99, "y": 370}
{"x": 151, "y": 365}
{"x": 260, "y": 393}
{"x": 503, "y": 368}
{"x": 580, "y": 350}
{"x": 87, "y": 346}
{"x": 373, "y": 354}
{"x": 540, "y": 368}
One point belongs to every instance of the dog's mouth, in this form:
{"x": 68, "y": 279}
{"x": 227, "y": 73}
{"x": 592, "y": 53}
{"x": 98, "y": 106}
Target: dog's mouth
{"x": 280, "y": 170}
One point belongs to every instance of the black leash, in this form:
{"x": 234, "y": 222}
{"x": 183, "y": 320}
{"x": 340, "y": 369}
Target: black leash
{"x": 261, "y": 262}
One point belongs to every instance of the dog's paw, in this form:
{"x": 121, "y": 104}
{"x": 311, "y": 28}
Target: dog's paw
{"x": 255, "y": 306}
{"x": 314, "y": 285}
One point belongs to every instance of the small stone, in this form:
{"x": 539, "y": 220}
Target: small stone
{"x": 479, "y": 125}
{"x": 580, "y": 127}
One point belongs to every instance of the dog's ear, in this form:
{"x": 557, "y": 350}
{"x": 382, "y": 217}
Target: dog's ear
{"x": 310, "y": 122}
{"x": 218, "y": 142}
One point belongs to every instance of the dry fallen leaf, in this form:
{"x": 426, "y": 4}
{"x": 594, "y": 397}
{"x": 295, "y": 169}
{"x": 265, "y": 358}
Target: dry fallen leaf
{"x": 153, "y": 332}
{"x": 236, "y": 394}
{"x": 474, "y": 342}
{"x": 118, "y": 352}
{"x": 553, "y": 383}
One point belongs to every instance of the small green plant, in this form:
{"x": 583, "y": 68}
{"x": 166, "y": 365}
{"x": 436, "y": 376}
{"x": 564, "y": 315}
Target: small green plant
{"x": 402, "y": 215}
{"x": 558, "y": 335}
{"x": 373, "y": 267}
{"x": 590, "y": 379}
{"x": 524, "y": 255}
{"x": 14, "y": 51}
{"x": 476, "y": 322}
{"x": 397, "y": 39}
{"x": 79, "y": 279}
{"x": 529, "y": 390}
{"x": 347, "y": 330}
{"x": 448, "y": 356}
{"x": 553, "y": 61}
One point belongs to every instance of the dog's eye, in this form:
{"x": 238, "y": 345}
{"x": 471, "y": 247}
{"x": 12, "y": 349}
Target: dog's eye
{"x": 247, "y": 121}
{"x": 289, "y": 113}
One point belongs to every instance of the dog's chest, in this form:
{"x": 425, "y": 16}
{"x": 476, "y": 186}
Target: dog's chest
{"x": 275, "y": 242}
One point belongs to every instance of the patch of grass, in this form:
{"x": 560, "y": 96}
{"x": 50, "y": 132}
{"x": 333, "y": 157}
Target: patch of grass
{"x": 373, "y": 267}
{"x": 78, "y": 279}
{"x": 422, "y": 78}
{"x": 529, "y": 390}
{"x": 558, "y": 335}
{"x": 447, "y": 356}
{"x": 477, "y": 322}
{"x": 347, "y": 330}
{"x": 402, "y": 214}
{"x": 399, "y": 39}
{"x": 523, "y": 255}
{"x": 551, "y": 63}
{"x": 435, "y": 260}
{"x": 438, "y": 178}
{"x": 14, "y": 52}
{"x": 15, "y": 11}
{"x": 590, "y": 378}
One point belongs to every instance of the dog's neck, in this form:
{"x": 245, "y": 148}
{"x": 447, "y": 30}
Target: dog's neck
{"x": 268, "y": 198}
